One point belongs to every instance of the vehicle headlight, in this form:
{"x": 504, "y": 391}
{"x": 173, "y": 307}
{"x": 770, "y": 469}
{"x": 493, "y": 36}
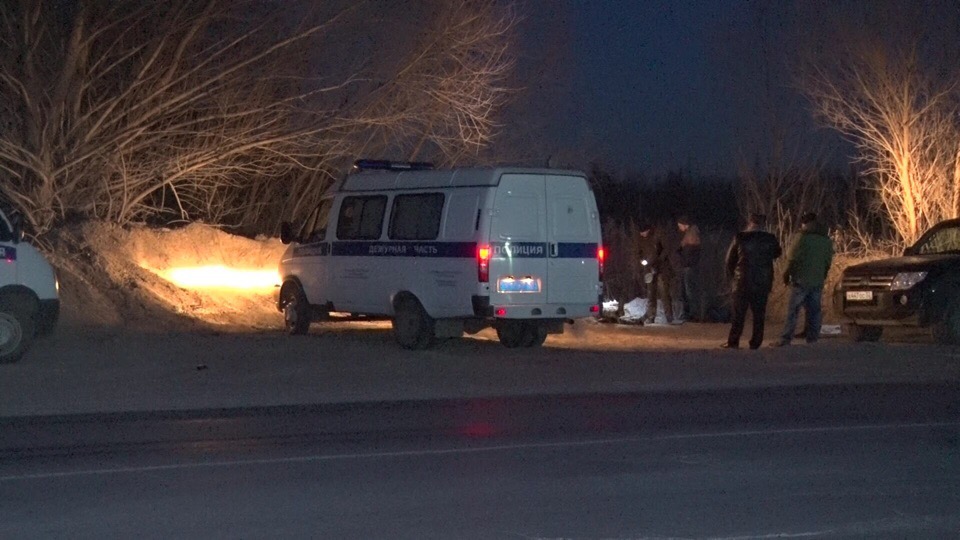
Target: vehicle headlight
{"x": 906, "y": 280}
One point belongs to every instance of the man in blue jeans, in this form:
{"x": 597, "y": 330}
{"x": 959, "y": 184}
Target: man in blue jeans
{"x": 808, "y": 262}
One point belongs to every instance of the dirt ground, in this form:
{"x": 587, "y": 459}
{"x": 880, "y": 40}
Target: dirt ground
{"x": 130, "y": 340}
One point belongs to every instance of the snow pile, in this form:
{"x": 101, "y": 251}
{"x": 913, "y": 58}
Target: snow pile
{"x": 115, "y": 276}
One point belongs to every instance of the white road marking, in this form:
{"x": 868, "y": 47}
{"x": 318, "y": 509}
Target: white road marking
{"x": 469, "y": 450}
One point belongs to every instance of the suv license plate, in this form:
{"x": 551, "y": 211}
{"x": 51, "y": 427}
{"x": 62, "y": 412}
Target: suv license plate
{"x": 860, "y": 296}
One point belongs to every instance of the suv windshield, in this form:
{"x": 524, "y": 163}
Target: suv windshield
{"x": 946, "y": 240}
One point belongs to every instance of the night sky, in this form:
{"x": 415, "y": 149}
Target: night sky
{"x": 649, "y": 93}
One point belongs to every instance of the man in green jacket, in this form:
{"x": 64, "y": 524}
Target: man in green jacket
{"x": 808, "y": 262}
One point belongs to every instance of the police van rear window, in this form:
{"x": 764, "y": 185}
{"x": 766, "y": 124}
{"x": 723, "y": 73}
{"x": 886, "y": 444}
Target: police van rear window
{"x": 416, "y": 217}
{"x": 361, "y": 218}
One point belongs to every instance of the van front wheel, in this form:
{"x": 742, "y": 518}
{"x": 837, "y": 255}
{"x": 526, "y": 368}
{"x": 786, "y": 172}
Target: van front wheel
{"x": 296, "y": 310}
{"x": 412, "y": 326}
{"x": 16, "y": 331}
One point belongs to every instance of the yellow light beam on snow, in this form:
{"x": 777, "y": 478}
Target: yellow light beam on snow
{"x": 220, "y": 277}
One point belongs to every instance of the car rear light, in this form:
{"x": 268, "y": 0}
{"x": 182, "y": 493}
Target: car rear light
{"x": 501, "y": 312}
{"x": 594, "y": 309}
{"x": 601, "y": 260}
{"x": 483, "y": 264}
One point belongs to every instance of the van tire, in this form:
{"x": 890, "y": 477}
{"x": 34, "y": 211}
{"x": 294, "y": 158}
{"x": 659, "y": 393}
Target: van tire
{"x": 534, "y": 335}
{"x": 412, "y": 327}
{"x": 862, "y": 332}
{"x": 297, "y": 314}
{"x": 514, "y": 334}
{"x": 946, "y": 330}
{"x": 17, "y": 328}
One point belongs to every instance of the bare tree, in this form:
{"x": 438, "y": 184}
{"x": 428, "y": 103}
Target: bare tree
{"x": 902, "y": 117}
{"x": 904, "y": 126}
{"x": 125, "y": 110}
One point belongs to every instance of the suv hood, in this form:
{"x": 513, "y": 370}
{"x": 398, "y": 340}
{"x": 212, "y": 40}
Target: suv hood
{"x": 915, "y": 263}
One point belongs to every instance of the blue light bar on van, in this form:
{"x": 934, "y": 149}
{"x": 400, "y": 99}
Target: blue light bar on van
{"x": 385, "y": 165}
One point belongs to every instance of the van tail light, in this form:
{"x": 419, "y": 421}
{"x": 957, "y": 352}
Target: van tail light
{"x": 601, "y": 260}
{"x": 483, "y": 264}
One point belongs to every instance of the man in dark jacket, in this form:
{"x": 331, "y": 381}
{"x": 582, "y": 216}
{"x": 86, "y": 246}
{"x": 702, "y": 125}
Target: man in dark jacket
{"x": 750, "y": 262}
{"x": 655, "y": 262}
{"x": 689, "y": 253}
{"x": 808, "y": 262}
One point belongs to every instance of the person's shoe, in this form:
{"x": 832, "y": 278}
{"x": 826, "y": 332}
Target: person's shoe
{"x": 648, "y": 320}
{"x": 754, "y": 346}
{"x": 780, "y": 343}
{"x": 728, "y": 345}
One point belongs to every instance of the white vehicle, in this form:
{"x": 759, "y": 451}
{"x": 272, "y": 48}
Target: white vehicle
{"x": 29, "y": 292}
{"x": 443, "y": 252}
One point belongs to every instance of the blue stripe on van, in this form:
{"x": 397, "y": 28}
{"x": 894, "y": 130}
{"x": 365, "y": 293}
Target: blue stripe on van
{"x": 500, "y": 250}
{"x": 312, "y": 250}
{"x": 406, "y": 249}
{"x": 570, "y": 250}
{"x": 8, "y": 253}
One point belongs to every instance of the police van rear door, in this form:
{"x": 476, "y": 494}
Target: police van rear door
{"x": 573, "y": 236}
{"x": 518, "y": 260}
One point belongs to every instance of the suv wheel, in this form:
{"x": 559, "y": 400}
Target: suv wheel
{"x": 17, "y": 329}
{"x": 947, "y": 329}
{"x": 296, "y": 310}
{"x": 861, "y": 332}
{"x": 412, "y": 326}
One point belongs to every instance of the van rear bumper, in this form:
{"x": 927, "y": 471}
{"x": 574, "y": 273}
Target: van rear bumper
{"x": 483, "y": 308}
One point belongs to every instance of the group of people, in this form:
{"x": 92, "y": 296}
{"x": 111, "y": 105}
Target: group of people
{"x": 750, "y": 267}
{"x": 660, "y": 265}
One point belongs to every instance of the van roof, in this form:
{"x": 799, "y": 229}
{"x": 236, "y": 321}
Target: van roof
{"x": 377, "y": 180}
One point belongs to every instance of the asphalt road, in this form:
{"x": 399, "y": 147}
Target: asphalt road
{"x": 99, "y": 371}
{"x": 795, "y": 462}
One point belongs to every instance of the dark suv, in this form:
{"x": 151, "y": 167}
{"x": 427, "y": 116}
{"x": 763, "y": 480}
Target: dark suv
{"x": 922, "y": 288}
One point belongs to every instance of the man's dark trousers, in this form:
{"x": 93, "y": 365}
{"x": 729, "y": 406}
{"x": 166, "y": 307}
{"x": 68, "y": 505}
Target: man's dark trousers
{"x": 756, "y": 301}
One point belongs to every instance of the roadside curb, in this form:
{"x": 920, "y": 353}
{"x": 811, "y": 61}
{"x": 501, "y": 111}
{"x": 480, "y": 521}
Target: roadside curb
{"x": 783, "y": 406}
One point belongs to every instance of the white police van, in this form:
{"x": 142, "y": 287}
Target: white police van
{"x": 29, "y": 292}
{"x": 443, "y": 252}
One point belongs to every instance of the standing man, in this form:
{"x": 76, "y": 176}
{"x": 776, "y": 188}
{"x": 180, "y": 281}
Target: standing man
{"x": 655, "y": 261}
{"x": 808, "y": 262}
{"x": 689, "y": 262}
{"x": 750, "y": 262}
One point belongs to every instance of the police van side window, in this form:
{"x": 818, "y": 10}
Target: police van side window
{"x": 6, "y": 235}
{"x": 317, "y": 226}
{"x": 361, "y": 218}
{"x": 416, "y": 217}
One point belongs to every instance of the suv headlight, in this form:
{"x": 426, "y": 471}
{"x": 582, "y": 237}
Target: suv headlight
{"x": 906, "y": 280}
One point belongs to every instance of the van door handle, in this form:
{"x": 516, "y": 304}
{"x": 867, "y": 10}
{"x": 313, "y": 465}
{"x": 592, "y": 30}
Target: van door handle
{"x": 553, "y": 249}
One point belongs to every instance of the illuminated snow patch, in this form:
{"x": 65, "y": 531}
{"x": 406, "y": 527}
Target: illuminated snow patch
{"x": 220, "y": 277}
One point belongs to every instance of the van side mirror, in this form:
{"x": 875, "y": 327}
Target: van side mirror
{"x": 16, "y": 222}
{"x": 286, "y": 232}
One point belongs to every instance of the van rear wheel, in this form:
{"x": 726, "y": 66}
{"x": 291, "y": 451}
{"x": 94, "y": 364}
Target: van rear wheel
{"x": 514, "y": 334}
{"x": 534, "y": 335}
{"x": 412, "y": 327}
